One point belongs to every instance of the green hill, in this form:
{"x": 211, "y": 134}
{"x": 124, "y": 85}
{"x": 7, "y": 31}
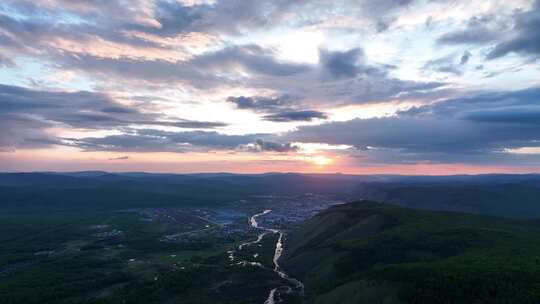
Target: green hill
{"x": 367, "y": 252}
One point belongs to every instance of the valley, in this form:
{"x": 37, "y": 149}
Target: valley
{"x": 264, "y": 243}
{"x": 147, "y": 255}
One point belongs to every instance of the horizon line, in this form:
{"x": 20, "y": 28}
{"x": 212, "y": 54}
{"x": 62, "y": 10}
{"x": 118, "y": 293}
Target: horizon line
{"x": 262, "y": 173}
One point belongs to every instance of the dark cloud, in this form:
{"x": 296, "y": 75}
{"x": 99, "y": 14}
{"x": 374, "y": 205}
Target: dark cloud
{"x": 521, "y": 37}
{"x": 409, "y": 134}
{"x": 268, "y": 146}
{"x": 20, "y": 131}
{"x": 487, "y": 100}
{"x": 525, "y": 37}
{"x": 475, "y": 129}
{"x": 26, "y": 113}
{"x": 346, "y": 64}
{"x": 252, "y": 57}
{"x": 278, "y": 109}
{"x": 173, "y": 17}
{"x": 36, "y": 35}
{"x": 201, "y": 71}
{"x": 260, "y": 103}
{"x": 383, "y": 13}
{"x": 521, "y": 115}
{"x": 17, "y": 33}
{"x": 113, "y": 20}
{"x": 295, "y": 116}
{"x": 310, "y": 92}
{"x": 235, "y": 17}
{"x": 77, "y": 109}
{"x": 449, "y": 64}
{"x": 82, "y": 109}
{"x": 342, "y": 77}
{"x": 345, "y": 77}
{"x": 465, "y": 57}
{"x": 150, "y": 140}
{"x": 170, "y": 18}
{"x": 140, "y": 69}
{"x": 342, "y": 64}
{"x": 339, "y": 78}
{"x": 477, "y": 31}
{"x": 222, "y": 17}
{"x": 126, "y": 143}
{"x": 187, "y": 124}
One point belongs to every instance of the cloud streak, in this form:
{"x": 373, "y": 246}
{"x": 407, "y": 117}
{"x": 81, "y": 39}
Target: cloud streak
{"x": 474, "y": 129}
{"x": 151, "y": 140}
{"x": 295, "y": 116}
{"x": 26, "y": 114}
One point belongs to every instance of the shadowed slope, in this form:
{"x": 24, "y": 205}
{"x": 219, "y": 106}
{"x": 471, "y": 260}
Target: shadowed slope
{"x": 366, "y": 252}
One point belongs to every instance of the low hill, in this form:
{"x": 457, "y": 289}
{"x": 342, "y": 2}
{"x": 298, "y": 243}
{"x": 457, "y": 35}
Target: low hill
{"x": 368, "y": 252}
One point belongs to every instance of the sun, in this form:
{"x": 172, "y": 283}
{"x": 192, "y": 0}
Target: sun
{"x": 320, "y": 160}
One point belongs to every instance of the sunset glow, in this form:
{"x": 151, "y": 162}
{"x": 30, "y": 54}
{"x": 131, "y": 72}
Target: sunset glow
{"x": 321, "y": 160}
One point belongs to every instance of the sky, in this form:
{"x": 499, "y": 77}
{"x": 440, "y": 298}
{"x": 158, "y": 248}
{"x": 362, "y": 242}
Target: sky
{"x": 359, "y": 87}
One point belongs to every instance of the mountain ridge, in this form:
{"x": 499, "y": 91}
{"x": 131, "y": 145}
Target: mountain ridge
{"x": 370, "y": 252}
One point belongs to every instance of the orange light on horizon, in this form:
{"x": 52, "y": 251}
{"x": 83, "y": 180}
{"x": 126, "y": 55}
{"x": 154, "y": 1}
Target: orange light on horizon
{"x": 321, "y": 160}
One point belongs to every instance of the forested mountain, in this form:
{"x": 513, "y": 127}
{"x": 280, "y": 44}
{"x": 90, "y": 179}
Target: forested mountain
{"x": 368, "y": 252}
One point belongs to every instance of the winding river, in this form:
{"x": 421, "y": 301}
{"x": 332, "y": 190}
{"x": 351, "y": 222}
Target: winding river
{"x": 273, "y": 296}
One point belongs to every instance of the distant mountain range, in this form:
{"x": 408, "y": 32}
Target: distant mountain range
{"x": 511, "y": 195}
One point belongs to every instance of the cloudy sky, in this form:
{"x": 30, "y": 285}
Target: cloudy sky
{"x": 358, "y": 86}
